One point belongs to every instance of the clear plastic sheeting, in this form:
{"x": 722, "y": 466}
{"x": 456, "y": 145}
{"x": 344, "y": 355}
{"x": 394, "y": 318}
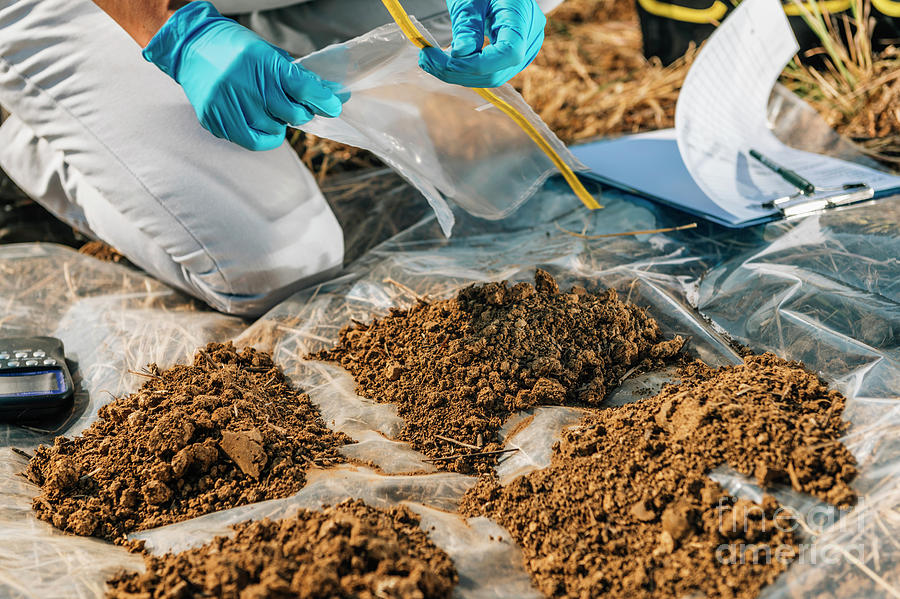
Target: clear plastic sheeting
{"x": 36, "y": 559}
{"x": 528, "y": 432}
{"x": 445, "y": 139}
{"x": 823, "y": 289}
{"x": 112, "y": 320}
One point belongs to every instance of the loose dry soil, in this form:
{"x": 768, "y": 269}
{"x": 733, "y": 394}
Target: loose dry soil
{"x": 225, "y": 431}
{"x": 626, "y": 508}
{"x": 347, "y": 551}
{"x": 459, "y": 367}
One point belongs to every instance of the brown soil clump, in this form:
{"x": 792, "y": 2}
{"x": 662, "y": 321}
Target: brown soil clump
{"x": 459, "y": 367}
{"x": 103, "y": 251}
{"x": 626, "y": 508}
{"x": 226, "y": 431}
{"x": 350, "y": 550}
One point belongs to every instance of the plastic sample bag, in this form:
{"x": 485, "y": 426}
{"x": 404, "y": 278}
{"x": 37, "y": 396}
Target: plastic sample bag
{"x": 445, "y": 139}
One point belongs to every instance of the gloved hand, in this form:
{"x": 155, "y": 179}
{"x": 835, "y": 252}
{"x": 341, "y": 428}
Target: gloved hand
{"x": 516, "y": 31}
{"x": 242, "y": 88}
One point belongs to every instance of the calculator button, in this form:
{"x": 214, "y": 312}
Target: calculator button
{"x": 39, "y": 354}
{"x": 13, "y": 363}
{"x": 4, "y": 356}
{"x": 49, "y": 362}
{"x": 31, "y": 362}
{"x": 21, "y": 354}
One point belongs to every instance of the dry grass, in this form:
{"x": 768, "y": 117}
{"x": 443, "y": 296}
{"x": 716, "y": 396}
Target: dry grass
{"x": 325, "y": 157}
{"x": 591, "y": 78}
{"x": 856, "y": 90}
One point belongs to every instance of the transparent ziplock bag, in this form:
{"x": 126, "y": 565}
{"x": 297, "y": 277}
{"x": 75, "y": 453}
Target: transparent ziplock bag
{"x": 446, "y": 140}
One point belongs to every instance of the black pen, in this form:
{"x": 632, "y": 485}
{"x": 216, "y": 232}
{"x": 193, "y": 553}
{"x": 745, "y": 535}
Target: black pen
{"x": 805, "y": 187}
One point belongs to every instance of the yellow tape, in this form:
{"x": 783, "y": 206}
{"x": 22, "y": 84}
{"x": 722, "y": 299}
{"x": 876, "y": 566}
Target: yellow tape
{"x": 890, "y": 8}
{"x": 831, "y": 6}
{"x": 406, "y": 25}
{"x": 714, "y": 12}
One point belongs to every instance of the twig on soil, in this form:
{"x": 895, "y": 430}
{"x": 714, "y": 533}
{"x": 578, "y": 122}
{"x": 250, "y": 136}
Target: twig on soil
{"x": 21, "y": 452}
{"x": 472, "y": 455}
{"x": 35, "y": 429}
{"x": 628, "y": 374}
{"x": 627, "y": 233}
{"x": 138, "y": 373}
{"x": 455, "y": 442}
{"x": 405, "y": 289}
{"x": 795, "y": 482}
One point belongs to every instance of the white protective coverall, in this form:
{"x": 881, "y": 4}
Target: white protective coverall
{"x": 107, "y": 142}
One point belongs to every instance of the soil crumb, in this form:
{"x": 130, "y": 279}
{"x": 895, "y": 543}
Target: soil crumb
{"x": 225, "y": 431}
{"x": 103, "y": 252}
{"x": 459, "y": 367}
{"x": 626, "y": 509}
{"x": 349, "y": 550}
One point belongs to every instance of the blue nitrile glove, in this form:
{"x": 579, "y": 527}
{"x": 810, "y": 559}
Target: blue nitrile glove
{"x": 516, "y": 31}
{"x": 242, "y": 88}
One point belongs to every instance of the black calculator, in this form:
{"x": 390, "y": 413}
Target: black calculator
{"x": 34, "y": 379}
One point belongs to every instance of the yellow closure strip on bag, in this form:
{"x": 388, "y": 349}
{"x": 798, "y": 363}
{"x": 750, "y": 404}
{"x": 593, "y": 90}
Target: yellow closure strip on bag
{"x": 568, "y": 174}
{"x": 666, "y": 10}
{"x": 415, "y": 36}
{"x": 831, "y": 6}
{"x": 890, "y": 8}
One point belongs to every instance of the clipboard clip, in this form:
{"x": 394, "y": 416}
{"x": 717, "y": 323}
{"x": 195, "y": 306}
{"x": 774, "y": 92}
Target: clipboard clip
{"x": 821, "y": 199}
{"x": 810, "y": 199}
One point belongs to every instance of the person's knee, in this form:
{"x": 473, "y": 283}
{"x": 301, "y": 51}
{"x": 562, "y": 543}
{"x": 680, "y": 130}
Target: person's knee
{"x": 240, "y": 257}
{"x": 251, "y": 270}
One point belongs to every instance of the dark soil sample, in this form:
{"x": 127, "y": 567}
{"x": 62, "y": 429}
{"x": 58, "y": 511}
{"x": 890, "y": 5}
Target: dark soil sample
{"x": 459, "y": 367}
{"x": 626, "y": 509}
{"x": 226, "y": 431}
{"x": 347, "y": 551}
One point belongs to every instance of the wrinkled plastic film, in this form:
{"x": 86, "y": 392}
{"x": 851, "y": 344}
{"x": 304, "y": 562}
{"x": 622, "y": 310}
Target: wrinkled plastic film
{"x": 446, "y": 140}
{"x": 37, "y": 560}
{"x": 854, "y": 348}
{"x": 507, "y": 106}
{"x": 112, "y": 320}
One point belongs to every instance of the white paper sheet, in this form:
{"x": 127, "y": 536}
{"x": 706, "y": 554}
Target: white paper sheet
{"x": 650, "y": 165}
{"x": 721, "y": 115}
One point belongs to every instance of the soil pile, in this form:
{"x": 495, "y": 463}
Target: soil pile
{"x": 350, "y": 550}
{"x": 459, "y": 367}
{"x": 626, "y": 509}
{"x": 225, "y": 431}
